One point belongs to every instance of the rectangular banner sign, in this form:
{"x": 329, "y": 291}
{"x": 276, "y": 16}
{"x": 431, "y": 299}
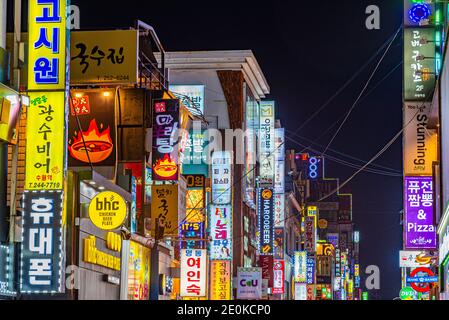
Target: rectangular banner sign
{"x": 265, "y": 212}
{"x": 164, "y": 208}
{"x": 220, "y": 282}
{"x": 249, "y": 283}
{"x": 221, "y": 232}
{"x": 41, "y": 251}
{"x": 192, "y": 96}
{"x": 267, "y": 143}
{"x": 300, "y": 269}
{"x": 420, "y": 231}
{"x": 266, "y": 263}
{"x": 193, "y": 273}
{"x": 278, "y": 277}
{"x": 221, "y": 177}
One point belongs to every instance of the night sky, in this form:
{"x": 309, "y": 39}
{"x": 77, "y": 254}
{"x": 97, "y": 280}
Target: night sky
{"x": 307, "y": 51}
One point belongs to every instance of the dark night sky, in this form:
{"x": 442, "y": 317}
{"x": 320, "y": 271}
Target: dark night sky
{"x": 307, "y": 51}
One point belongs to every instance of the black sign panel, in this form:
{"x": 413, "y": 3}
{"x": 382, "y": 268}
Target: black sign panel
{"x": 265, "y": 210}
{"x": 41, "y": 258}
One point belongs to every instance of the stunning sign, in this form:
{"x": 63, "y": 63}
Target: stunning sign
{"x": 45, "y": 141}
{"x": 192, "y": 96}
{"x": 249, "y": 283}
{"x": 420, "y": 232}
{"x": 267, "y": 143}
{"x": 278, "y": 277}
{"x": 47, "y": 45}
{"x": 221, "y": 232}
{"x": 91, "y": 135}
{"x": 415, "y": 259}
{"x": 419, "y": 64}
{"x": 420, "y": 143}
{"x": 193, "y": 273}
{"x": 266, "y": 223}
{"x": 165, "y": 140}
{"x": 164, "y": 208}
{"x": 221, "y": 177}
{"x": 104, "y": 56}
{"x": 107, "y": 210}
{"x": 41, "y": 252}
{"x": 220, "y": 282}
{"x": 300, "y": 274}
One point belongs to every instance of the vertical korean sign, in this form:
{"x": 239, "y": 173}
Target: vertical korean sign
{"x": 420, "y": 231}
{"x": 165, "y": 140}
{"x": 41, "y": 253}
{"x": 267, "y": 143}
{"x": 300, "y": 270}
{"x": 221, "y": 177}
{"x": 193, "y": 273}
{"x": 310, "y": 236}
{"x": 164, "y": 208}
{"x": 48, "y": 78}
{"x": 278, "y": 277}
{"x": 220, "y": 282}
{"x": 221, "y": 232}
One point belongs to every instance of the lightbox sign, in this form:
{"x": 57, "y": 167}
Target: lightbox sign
{"x": 7, "y": 270}
{"x": 279, "y": 210}
{"x": 278, "y": 277}
{"x": 415, "y": 259}
{"x": 221, "y": 177}
{"x": 108, "y": 210}
{"x": 419, "y": 64}
{"x": 266, "y": 221}
{"x": 45, "y": 141}
{"x": 190, "y": 95}
{"x": 267, "y": 143}
{"x": 249, "y": 283}
{"x": 41, "y": 249}
{"x": 418, "y": 13}
{"x": 164, "y": 208}
{"x": 220, "y": 232}
{"x": 220, "y": 282}
{"x": 310, "y": 270}
{"x": 420, "y": 232}
{"x": 300, "y": 291}
{"x": 310, "y": 234}
{"x": 300, "y": 268}
{"x": 193, "y": 273}
{"x": 193, "y": 231}
{"x": 165, "y": 140}
{"x": 420, "y": 143}
{"x": 279, "y": 238}
{"x": 279, "y": 158}
{"x": 47, "y": 45}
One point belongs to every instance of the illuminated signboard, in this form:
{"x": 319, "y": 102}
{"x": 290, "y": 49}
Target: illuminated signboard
{"x": 420, "y": 232}
{"x": 419, "y": 64}
{"x": 45, "y": 141}
{"x": 6, "y": 270}
{"x": 41, "y": 251}
{"x": 249, "y": 283}
{"x": 164, "y": 208}
{"x": 279, "y": 157}
{"x": 138, "y": 272}
{"x": 300, "y": 291}
{"x": 266, "y": 221}
{"x": 418, "y": 13}
{"x": 415, "y": 259}
{"x": 108, "y": 210}
{"x": 194, "y": 231}
{"x": 47, "y": 45}
{"x": 221, "y": 177}
{"x": 267, "y": 143}
{"x": 279, "y": 210}
{"x": 278, "y": 277}
{"x": 310, "y": 270}
{"x": 300, "y": 274}
{"x": 310, "y": 234}
{"x": 193, "y": 273}
{"x": 279, "y": 243}
{"x": 192, "y": 96}
{"x": 220, "y": 280}
{"x": 220, "y": 221}
{"x": 165, "y": 140}
{"x": 104, "y": 56}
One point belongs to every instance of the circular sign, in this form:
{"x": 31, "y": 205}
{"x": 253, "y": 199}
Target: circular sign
{"x": 421, "y": 287}
{"x": 322, "y": 224}
{"x": 267, "y": 194}
{"x": 107, "y": 210}
{"x": 407, "y": 293}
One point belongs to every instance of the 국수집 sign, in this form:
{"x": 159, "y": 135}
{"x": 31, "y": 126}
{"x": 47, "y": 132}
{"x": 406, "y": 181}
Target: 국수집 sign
{"x": 106, "y": 56}
{"x": 249, "y": 283}
{"x": 420, "y": 232}
{"x": 41, "y": 253}
{"x": 107, "y": 210}
{"x": 47, "y": 45}
{"x": 164, "y": 208}
{"x": 45, "y": 141}
{"x": 221, "y": 232}
{"x": 221, "y": 177}
{"x": 267, "y": 143}
{"x": 419, "y": 64}
{"x": 165, "y": 140}
{"x": 192, "y": 96}
{"x": 266, "y": 221}
{"x": 193, "y": 273}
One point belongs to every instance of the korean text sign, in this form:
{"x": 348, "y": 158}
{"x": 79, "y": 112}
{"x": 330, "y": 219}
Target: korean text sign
{"x": 221, "y": 232}
{"x": 45, "y": 141}
{"x": 249, "y": 283}
{"x": 107, "y": 56}
{"x": 165, "y": 140}
{"x": 300, "y": 266}
{"x": 47, "y": 45}
{"x": 41, "y": 259}
{"x": 420, "y": 232}
{"x": 220, "y": 282}
{"x": 164, "y": 208}
{"x": 278, "y": 277}
{"x": 193, "y": 273}
{"x": 221, "y": 177}
{"x": 267, "y": 143}
{"x": 310, "y": 234}
{"x": 192, "y": 97}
